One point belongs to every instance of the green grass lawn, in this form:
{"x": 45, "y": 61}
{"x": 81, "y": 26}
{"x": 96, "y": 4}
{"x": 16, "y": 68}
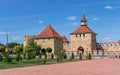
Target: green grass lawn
{"x": 24, "y": 63}
{"x": 33, "y": 62}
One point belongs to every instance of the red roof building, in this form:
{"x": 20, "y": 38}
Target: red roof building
{"x": 65, "y": 39}
{"x": 48, "y": 32}
{"x": 83, "y": 28}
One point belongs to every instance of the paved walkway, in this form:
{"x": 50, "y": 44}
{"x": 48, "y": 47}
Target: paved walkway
{"x": 91, "y": 67}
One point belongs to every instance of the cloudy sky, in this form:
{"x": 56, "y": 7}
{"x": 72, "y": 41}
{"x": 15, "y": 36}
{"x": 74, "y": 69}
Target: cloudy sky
{"x": 29, "y": 17}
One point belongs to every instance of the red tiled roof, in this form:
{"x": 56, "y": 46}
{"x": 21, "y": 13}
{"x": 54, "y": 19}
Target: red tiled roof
{"x": 48, "y": 32}
{"x": 119, "y": 41}
{"x": 65, "y": 39}
{"x": 82, "y": 29}
{"x": 83, "y": 19}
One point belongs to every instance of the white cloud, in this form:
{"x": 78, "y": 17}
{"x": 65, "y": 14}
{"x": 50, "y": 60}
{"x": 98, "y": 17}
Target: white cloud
{"x": 40, "y": 22}
{"x": 71, "y": 18}
{"x": 95, "y": 18}
{"x": 111, "y": 7}
{"x": 4, "y": 33}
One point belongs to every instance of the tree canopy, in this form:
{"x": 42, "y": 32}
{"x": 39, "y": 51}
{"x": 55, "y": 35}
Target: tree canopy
{"x": 12, "y": 44}
{"x": 49, "y": 50}
{"x": 28, "y": 48}
{"x": 18, "y": 49}
{"x": 2, "y": 48}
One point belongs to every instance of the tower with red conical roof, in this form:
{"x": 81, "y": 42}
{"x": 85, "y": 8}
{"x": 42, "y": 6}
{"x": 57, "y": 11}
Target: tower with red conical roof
{"x": 83, "y": 38}
{"x": 49, "y": 38}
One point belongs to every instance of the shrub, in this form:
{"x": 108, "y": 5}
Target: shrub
{"x": 7, "y": 58}
{"x": 80, "y": 56}
{"x": 58, "y": 59}
{"x": 45, "y": 55}
{"x": 88, "y": 57}
{"x": 1, "y": 58}
{"x": 72, "y": 55}
{"x": 44, "y": 61}
{"x": 24, "y": 56}
{"x": 18, "y": 57}
{"x": 70, "y": 58}
{"x": 52, "y": 56}
{"x": 65, "y": 56}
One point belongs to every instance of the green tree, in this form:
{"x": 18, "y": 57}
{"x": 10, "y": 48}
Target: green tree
{"x": 49, "y": 50}
{"x": 17, "y": 49}
{"x": 12, "y": 44}
{"x": 80, "y": 56}
{"x": 88, "y": 56}
{"x": 2, "y": 48}
{"x": 52, "y": 56}
{"x": 28, "y": 49}
{"x": 35, "y": 47}
{"x": 72, "y": 56}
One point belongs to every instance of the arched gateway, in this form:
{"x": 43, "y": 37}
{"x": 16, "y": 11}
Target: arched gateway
{"x": 81, "y": 49}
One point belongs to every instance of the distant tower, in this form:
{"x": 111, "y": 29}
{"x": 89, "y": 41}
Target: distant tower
{"x": 49, "y": 38}
{"x": 83, "y": 38}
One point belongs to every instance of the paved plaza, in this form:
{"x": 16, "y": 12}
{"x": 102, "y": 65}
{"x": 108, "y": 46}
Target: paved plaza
{"x": 90, "y": 67}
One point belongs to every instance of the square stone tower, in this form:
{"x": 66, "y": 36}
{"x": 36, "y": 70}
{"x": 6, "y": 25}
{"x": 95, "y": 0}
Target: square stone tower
{"x": 83, "y": 38}
{"x": 49, "y": 38}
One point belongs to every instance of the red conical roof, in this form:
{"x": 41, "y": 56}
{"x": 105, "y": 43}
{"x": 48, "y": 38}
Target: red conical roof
{"x": 83, "y": 28}
{"x": 48, "y": 32}
{"x": 83, "y": 19}
{"x": 65, "y": 39}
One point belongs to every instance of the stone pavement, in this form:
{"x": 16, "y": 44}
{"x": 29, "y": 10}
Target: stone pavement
{"x": 90, "y": 67}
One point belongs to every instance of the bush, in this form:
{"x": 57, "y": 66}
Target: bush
{"x": 80, "y": 56}
{"x": 52, "y": 56}
{"x": 72, "y": 55}
{"x": 45, "y": 55}
{"x": 65, "y": 56}
{"x": 24, "y": 56}
{"x": 88, "y": 57}
{"x": 7, "y": 58}
{"x": 18, "y": 57}
{"x": 1, "y": 58}
{"x": 70, "y": 58}
{"x": 44, "y": 61}
{"x": 58, "y": 59}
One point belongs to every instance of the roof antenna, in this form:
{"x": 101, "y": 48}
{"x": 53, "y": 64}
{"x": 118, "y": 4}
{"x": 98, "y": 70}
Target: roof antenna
{"x": 83, "y": 12}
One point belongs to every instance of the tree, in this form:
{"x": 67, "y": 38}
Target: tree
{"x": 80, "y": 56}
{"x": 72, "y": 56}
{"x": 28, "y": 52}
{"x": 28, "y": 48}
{"x": 17, "y": 49}
{"x": 12, "y": 44}
{"x": 52, "y": 56}
{"x": 35, "y": 47}
{"x": 2, "y": 48}
{"x": 49, "y": 50}
{"x": 88, "y": 57}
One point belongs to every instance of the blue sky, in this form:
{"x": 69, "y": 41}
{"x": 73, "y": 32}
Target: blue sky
{"x": 29, "y": 17}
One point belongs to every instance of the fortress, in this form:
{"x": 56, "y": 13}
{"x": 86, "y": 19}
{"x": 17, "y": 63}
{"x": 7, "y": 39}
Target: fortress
{"x": 83, "y": 40}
